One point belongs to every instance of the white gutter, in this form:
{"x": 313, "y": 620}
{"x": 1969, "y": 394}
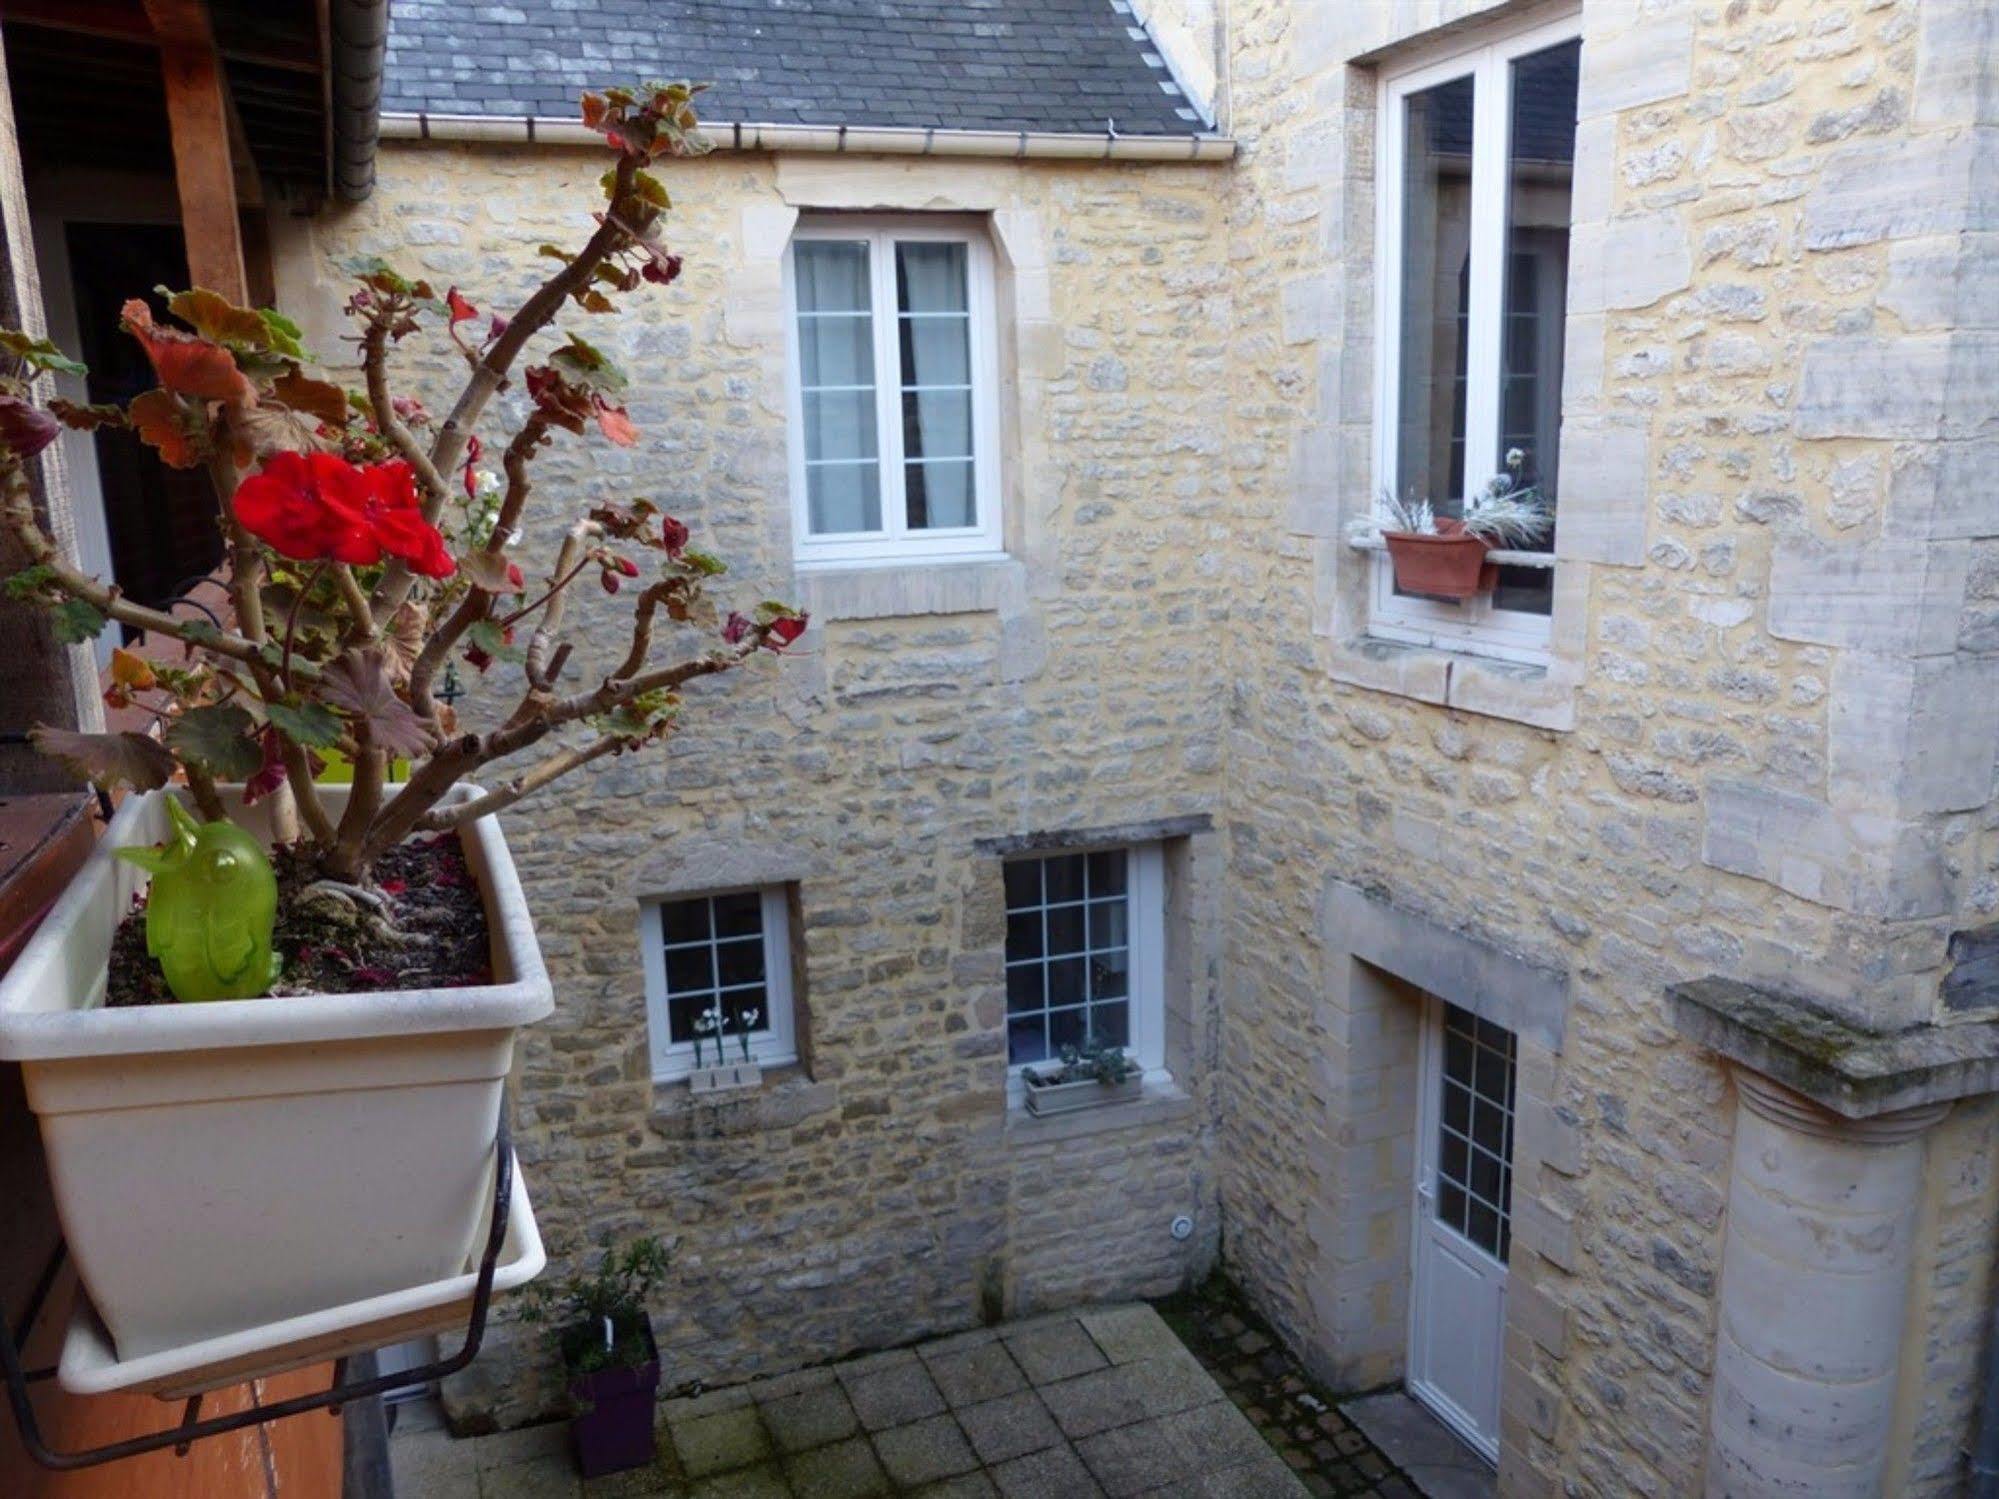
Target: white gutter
{"x": 849, "y": 139}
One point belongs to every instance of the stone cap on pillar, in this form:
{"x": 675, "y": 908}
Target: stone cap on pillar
{"x": 1857, "y": 1074}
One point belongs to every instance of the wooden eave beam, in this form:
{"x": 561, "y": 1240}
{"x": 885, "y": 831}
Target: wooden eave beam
{"x": 127, "y": 21}
{"x": 199, "y": 115}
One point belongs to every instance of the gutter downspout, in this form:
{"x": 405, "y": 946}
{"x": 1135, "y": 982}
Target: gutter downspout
{"x": 1985, "y": 1451}
{"x": 359, "y": 41}
{"x": 836, "y": 139}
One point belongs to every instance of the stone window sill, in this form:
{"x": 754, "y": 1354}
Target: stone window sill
{"x": 1163, "y": 1102}
{"x": 780, "y": 1078}
{"x": 1543, "y": 696}
{"x": 976, "y": 586}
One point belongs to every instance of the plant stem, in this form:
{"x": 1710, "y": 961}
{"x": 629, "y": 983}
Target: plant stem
{"x": 291, "y": 624}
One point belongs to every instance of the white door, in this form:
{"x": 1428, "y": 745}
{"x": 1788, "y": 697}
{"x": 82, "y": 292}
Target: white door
{"x": 1463, "y": 1222}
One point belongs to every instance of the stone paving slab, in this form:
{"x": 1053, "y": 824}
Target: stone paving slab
{"x": 1101, "y": 1402}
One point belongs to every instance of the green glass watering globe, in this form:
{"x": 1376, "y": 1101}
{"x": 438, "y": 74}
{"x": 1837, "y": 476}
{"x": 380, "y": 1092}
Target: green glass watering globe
{"x": 211, "y": 908}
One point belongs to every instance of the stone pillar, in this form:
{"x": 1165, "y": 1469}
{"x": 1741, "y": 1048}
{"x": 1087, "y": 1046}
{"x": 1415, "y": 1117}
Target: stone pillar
{"x": 1814, "y": 1292}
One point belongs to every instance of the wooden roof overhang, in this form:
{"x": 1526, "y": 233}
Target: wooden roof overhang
{"x": 230, "y": 97}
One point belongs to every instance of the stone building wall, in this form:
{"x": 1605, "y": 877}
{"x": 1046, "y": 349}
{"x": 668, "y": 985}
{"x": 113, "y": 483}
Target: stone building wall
{"x": 881, "y": 1191}
{"x": 1763, "y": 744}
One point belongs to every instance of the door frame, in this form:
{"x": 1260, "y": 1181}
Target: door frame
{"x": 57, "y": 198}
{"x": 1423, "y": 1189}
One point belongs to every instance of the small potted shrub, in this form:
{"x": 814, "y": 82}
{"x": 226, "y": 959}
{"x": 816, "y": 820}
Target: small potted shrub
{"x": 598, "y": 1326}
{"x": 268, "y": 1027}
{"x": 1443, "y": 556}
{"x": 1087, "y": 1077}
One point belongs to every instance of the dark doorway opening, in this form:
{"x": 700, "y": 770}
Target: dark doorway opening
{"x": 161, "y": 521}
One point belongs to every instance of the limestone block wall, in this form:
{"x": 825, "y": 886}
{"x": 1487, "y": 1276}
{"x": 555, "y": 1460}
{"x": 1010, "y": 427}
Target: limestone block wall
{"x": 1762, "y": 745}
{"x": 1755, "y": 748}
{"x": 880, "y": 1191}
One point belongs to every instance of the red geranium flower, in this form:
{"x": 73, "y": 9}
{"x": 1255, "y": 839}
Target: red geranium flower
{"x": 311, "y": 506}
{"x": 285, "y": 503}
{"x": 391, "y": 517}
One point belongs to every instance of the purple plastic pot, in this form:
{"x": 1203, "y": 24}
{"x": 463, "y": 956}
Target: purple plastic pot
{"x": 614, "y": 1425}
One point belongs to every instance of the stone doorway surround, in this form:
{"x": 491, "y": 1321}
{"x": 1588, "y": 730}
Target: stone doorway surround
{"x": 1381, "y": 959}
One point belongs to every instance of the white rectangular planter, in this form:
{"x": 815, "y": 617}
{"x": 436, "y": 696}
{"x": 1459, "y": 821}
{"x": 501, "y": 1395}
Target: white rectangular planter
{"x": 222, "y": 1166}
{"x": 91, "y": 1366}
{"x": 1044, "y": 1099}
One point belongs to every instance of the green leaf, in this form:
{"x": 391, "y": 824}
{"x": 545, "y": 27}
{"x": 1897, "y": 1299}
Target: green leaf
{"x": 359, "y": 684}
{"x": 200, "y": 632}
{"x": 29, "y": 582}
{"x": 377, "y": 272}
{"x": 76, "y": 622}
{"x": 283, "y": 334}
{"x": 486, "y": 635}
{"x": 39, "y": 353}
{"x": 220, "y": 740}
{"x": 588, "y": 365}
{"x": 646, "y": 715}
{"x": 108, "y": 759}
{"x": 707, "y": 564}
{"x": 87, "y": 418}
{"x": 311, "y": 724}
{"x": 216, "y": 318}
{"x": 648, "y": 188}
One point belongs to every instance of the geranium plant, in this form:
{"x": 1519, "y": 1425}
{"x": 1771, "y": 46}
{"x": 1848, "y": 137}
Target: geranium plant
{"x": 368, "y": 550}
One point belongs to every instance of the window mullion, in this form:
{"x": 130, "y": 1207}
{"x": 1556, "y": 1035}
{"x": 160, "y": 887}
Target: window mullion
{"x": 1485, "y": 306}
{"x": 888, "y": 388}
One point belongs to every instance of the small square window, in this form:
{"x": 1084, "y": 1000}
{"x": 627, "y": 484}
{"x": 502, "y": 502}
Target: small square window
{"x": 718, "y": 963}
{"x": 1084, "y": 958}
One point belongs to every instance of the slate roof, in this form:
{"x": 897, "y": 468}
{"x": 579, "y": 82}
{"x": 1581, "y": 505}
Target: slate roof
{"x": 1063, "y": 65}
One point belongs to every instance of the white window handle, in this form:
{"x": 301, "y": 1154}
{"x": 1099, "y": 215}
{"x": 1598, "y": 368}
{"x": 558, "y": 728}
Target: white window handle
{"x": 1426, "y": 1186}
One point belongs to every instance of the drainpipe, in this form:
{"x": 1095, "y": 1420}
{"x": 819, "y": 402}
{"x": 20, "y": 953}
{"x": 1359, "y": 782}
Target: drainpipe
{"x": 358, "y": 38}
{"x": 835, "y": 139}
{"x": 1985, "y": 1455}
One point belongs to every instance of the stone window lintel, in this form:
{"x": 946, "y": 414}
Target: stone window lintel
{"x": 1155, "y": 830}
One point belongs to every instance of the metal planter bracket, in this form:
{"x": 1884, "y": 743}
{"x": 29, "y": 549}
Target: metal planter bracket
{"x": 192, "y": 1427}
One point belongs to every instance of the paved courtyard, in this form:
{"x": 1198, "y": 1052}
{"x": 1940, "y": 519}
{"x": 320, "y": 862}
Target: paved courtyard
{"x": 1102, "y": 1402}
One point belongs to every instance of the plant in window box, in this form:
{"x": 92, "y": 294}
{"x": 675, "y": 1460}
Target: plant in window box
{"x": 723, "y": 1075}
{"x": 1444, "y": 556}
{"x": 221, "y": 1166}
{"x": 598, "y": 1326}
{"x": 1088, "y": 1077}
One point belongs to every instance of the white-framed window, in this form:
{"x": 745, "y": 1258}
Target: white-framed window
{"x": 1085, "y": 953}
{"x": 1475, "y": 164}
{"x": 894, "y": 391}
{"x": 729, "y": 952}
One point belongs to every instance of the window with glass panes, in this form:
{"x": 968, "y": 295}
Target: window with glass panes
{"x": 895, "y": 428}
{"x": 1476, "y": 161}
{"x": 718, "y": 964}
{"x": 1475, "y": 1131}
{"x": 1083, "y": 938}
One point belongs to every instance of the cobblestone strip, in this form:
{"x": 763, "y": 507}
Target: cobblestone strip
{"x": 1330, "y": 1455}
